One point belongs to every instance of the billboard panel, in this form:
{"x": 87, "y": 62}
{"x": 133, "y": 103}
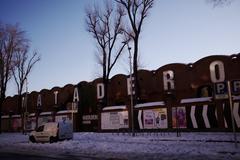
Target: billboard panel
{"x": 16, "y": 124}
{"x": 114, "y": 120}
{"x": 155, "y": 118}
{"x": 179, "y": 117}
{"x": 30, "y": 123}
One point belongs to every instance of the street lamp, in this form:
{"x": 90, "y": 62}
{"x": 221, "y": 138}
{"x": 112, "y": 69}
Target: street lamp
{"x": 131, "y": 90}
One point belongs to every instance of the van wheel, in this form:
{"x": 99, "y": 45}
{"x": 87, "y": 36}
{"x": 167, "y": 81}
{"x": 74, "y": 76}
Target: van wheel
{"x": 32, "y": 139}
{"x": 52, "y": 140}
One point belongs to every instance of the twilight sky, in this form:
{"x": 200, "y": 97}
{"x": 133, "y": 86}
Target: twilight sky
{"x": 175, "y": 32}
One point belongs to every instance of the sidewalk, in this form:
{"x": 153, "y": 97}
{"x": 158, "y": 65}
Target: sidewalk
{"x": 190, "y": 145}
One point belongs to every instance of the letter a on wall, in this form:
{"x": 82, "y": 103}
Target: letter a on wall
{"x": 75, "y": 95}
{"x": 39, "y": 100}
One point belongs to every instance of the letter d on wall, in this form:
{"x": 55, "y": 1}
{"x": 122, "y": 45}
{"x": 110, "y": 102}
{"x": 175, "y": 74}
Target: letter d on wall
{"x": 100, "y": 90}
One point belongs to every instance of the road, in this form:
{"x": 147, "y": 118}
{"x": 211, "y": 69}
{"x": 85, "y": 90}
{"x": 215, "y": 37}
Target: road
{"x": 108, "y": 146}
{"x": 19, "y": 156}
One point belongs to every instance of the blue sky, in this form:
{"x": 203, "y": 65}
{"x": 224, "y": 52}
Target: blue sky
{"x": 175, "y": 32}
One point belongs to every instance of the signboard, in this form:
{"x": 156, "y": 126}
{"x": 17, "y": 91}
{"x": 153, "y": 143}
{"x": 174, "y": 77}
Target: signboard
{"x": 179, "y": 117}
{"x": 235, "y": 87}
{"x": 220, "y": 90}
{"x": 114, "y": 120}
{"x": 87, "y": 119}
{"x": 155, "y": 118}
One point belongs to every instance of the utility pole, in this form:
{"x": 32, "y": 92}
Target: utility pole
{"x": 131, "y": 90}
{"x": 1, "y": 71}
{"x": 231, "y": 108}
{"x": 26, "y": 93}
{"x": 25, "y": 107}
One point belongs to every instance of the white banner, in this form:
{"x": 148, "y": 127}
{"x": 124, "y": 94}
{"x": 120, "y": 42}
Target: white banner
{"x": 114, "y": 120}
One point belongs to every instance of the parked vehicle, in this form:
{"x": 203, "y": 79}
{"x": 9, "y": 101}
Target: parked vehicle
{"x": 52, "y": 132}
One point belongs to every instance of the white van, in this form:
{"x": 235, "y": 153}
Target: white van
{"x": 52, "y": 132}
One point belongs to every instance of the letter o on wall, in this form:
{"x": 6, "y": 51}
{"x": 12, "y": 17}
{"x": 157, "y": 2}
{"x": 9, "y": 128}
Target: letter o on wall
{"x": 217, "y": 72}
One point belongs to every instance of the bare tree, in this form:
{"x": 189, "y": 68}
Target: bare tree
{"x": 106, "y": 27}
{"x": 137, "y": 11}
{"x": 11, "y": 39}
{"x": 23, "y": 64}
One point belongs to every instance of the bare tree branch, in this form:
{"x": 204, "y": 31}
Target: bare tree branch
{"x": 220, "y": 2}
{"x": 105, "y": 24}
{"x": 137, "y": 11}
{"x": 12, "y": 38}
{"x": 23, "y": 66}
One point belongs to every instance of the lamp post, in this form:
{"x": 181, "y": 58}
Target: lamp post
{"x": 131, "y": 90}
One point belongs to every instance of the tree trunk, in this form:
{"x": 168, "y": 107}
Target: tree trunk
{"x": 1, "y": 105}
{"x": 21, "y": 110}
{"x": 135, "y": 71}
{"x": 105, "y": 99}
{"x": 1, "y": 102}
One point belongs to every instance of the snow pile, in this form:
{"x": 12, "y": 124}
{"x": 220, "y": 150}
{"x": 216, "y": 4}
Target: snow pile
{"x": 124, "y": 146}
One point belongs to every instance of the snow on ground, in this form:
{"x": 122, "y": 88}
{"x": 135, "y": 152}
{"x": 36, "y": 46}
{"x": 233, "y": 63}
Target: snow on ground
{"x": 193, "y": 145}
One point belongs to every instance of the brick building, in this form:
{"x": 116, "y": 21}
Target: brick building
{"x": 175, "y": 96}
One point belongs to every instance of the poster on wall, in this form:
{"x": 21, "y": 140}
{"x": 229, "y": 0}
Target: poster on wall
{"x": 44, "y": 119}
{"x": 114, "y": 120}
{"x": 16, "y": 124}
{"x": 31, "y": 123}
{"x": 179, "y": 117}
{"x": 155, "y": 118}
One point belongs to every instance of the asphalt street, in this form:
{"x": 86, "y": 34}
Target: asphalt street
{"x": 19, "y": 156}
